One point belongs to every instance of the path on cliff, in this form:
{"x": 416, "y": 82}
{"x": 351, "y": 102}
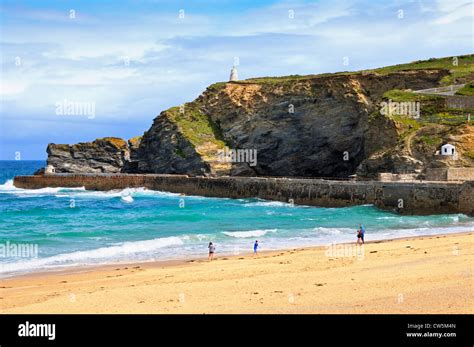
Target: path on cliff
{"x": 446, "y": 90}
{"x": 409, "y": 141}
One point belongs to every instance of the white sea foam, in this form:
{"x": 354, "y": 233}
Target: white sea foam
{"x": 268, "y": 204}
{"x": 455, "y": 218}
{"x": 250, "y": 233}
{"x": 128, "y": 199}
{"x": 196, "y": 237}
{"x": 333, "y": 231}
{"x": 121, "y": 251}
{"x": 68, "y": 192}
{"x": 9, "y": 188}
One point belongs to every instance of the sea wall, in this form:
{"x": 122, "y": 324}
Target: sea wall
{"x": 450, "y": 174}
{"x": 403, "y": 197}
{"x": 460, "y": 102}
{"x": 390, "y": 177}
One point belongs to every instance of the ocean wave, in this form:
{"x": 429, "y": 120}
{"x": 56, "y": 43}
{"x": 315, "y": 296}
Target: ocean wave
{"x": 196, "y": 237}
{"x": 94, "y": 256}
{"x": 9, "y": 188}
{"x": 268, "y": 204}
{"x": 68, "y": 192}
{"x": 333, "y": 231}
{"x": 250, "y": 233}
{"x": 127, "y": 199}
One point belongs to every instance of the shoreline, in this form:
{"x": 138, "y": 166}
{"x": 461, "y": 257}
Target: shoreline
{"x": 77, "y": 269}
{"x": 168, "y": 283}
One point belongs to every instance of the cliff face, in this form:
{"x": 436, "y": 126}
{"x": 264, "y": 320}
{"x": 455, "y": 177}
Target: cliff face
{"x": 322, "y": 125}
{"x": 298, "y": 127}
{"x": 165, "y": 149}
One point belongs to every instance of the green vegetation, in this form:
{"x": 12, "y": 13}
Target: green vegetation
{"x": 406, "y": 96}
{"x": 467, "y": 90}
{"x": 374, "y": 116}
{"x": 407, "y": 121}
{"x": 180, "y": 152}
{"x": 216, "y": 86}
{"x": 446, "y": 118}
{"x": 431, "y": 140}
{"x": 432, "y": 107}
{"x": 280, "y": 79}
{"x": 469, "y": 154}
{"x": 197, "y": 127}
{"x": 410, "y": 125}
{"x": 464, "y": 67}
{"x": 400, "y": 95}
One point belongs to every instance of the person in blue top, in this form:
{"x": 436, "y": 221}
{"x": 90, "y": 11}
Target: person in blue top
{"x": 212, "y": 250}
{"x": 255, "y": 247}
{"x": 360, "y": 234}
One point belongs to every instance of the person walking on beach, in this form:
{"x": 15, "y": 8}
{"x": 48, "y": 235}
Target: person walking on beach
{"x": 212, "y": 250}
{"x": 360, "y": 234}
{"x": 255, "y": 248}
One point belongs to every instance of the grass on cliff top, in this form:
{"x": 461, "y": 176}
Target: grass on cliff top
{"x": 467, "y": 90}
{"x": 432, "y": 111}
{"x": 197, "y": 127}
{"x": 464, "y": 67}
{"x": 404, "y": 96}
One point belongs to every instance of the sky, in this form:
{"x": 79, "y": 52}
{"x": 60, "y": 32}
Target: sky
{"x": 74, "y": 71}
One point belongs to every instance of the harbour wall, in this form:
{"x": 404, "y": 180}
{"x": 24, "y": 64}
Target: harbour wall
{"x": 402, "y": 197}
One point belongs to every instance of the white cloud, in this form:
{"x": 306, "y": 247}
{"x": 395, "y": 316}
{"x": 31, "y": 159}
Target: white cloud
{"x": 8, "y": 87}
{"x": 454, "y": 10}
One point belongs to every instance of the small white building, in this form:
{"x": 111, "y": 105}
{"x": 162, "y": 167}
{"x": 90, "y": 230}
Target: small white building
{"x": 50, "y": 169}
{"x": 233, "y": 74}
{"x": 448, "y": 149}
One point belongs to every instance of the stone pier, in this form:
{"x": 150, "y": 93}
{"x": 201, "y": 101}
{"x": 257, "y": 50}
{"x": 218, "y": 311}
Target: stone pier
{"x": 402, "y": 197}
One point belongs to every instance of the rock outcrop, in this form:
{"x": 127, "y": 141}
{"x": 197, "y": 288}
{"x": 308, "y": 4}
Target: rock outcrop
{"x": 106, "y": 155}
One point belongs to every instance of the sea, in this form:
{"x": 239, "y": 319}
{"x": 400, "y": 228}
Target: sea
{"x": 56, "y": 228}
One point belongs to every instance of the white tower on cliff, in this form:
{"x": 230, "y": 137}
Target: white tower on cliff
{"x": 233, "y": 74}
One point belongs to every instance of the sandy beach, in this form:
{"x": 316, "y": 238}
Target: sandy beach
{"x": 427, "y": 274}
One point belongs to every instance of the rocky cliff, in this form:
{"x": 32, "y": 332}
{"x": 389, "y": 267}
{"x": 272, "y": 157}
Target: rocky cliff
{"x": 322, "y": 125}
{"x": 107, "y": 155}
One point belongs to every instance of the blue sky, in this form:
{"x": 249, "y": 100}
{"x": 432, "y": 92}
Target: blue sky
{"x": 48, "y": 57}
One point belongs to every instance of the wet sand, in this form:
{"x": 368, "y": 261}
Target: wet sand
{"x": 426, "y": 274}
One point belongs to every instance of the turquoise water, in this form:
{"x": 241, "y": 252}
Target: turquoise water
{"x": 79, "y": 227}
